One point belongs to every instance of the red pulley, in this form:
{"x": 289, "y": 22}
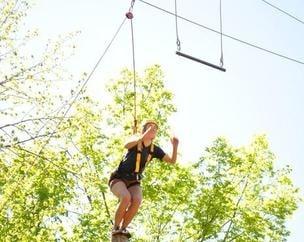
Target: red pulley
{"x": 129, "y": 15}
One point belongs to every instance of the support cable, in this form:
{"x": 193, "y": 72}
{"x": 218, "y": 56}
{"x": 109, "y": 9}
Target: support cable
{"x": 225, "y": 35}
{"x": 221, "y": 30}
{"x": 283, "y": 11}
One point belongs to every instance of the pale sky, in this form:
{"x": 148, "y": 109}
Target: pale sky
{"x": 259, "y": 93}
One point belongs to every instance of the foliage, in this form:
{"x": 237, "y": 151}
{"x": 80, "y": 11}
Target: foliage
{"x": 54, "y": 167}
{"x": 242, "y": 196}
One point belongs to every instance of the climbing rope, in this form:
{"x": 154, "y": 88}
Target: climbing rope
{"x": 130, "y": 16}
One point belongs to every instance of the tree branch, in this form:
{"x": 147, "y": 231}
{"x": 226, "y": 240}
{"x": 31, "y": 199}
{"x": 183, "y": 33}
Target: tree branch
{"x": 6, "y": 18}
{"x": 33, "y": 119}
{"x": 235, "y": 211}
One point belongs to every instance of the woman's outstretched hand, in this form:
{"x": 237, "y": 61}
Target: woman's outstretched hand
{"x": 174, "y": 141}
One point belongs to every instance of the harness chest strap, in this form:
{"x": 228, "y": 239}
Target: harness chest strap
{"x": 150, "y": 153}
{"x": 138, "y": 156}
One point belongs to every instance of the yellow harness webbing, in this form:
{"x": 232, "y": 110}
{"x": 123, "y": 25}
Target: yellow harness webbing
{"x": 138, "y": 156}
{"x": 150, "y": 153}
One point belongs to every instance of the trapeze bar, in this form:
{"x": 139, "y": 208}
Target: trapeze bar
{"x": 200, "y": 61}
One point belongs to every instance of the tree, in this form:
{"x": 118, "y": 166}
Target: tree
{"x": 35, "y": 181}
{"x": 228, "y": 195}
{"x": 241, "y": 196}
{"x": 55, "y": 167}
{"x": 31, "y": 82}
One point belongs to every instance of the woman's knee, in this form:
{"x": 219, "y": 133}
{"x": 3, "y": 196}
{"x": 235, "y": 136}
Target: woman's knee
{"x": 125, "y": 198}
{"x": 136, "y": 200}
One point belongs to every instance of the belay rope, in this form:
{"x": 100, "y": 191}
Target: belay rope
{"x": 130, "y": 16}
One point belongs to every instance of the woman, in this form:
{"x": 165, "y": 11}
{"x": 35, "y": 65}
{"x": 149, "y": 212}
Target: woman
{"x": 125, "y": 180}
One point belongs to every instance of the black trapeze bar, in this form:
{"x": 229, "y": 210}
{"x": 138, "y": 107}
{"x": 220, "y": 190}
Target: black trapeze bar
{"x": 200, "y": 61}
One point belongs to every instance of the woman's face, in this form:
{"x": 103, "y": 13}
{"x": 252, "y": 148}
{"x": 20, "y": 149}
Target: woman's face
{"x": 153, "y": 130}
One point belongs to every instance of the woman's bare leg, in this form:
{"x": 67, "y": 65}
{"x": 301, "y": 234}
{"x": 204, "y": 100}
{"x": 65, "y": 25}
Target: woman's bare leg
{"x": 120, "y": 190}
{"x": 136, "y": 198}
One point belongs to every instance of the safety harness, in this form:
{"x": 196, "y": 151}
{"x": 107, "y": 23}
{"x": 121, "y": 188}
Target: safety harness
{"x": 138, "y": 157}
